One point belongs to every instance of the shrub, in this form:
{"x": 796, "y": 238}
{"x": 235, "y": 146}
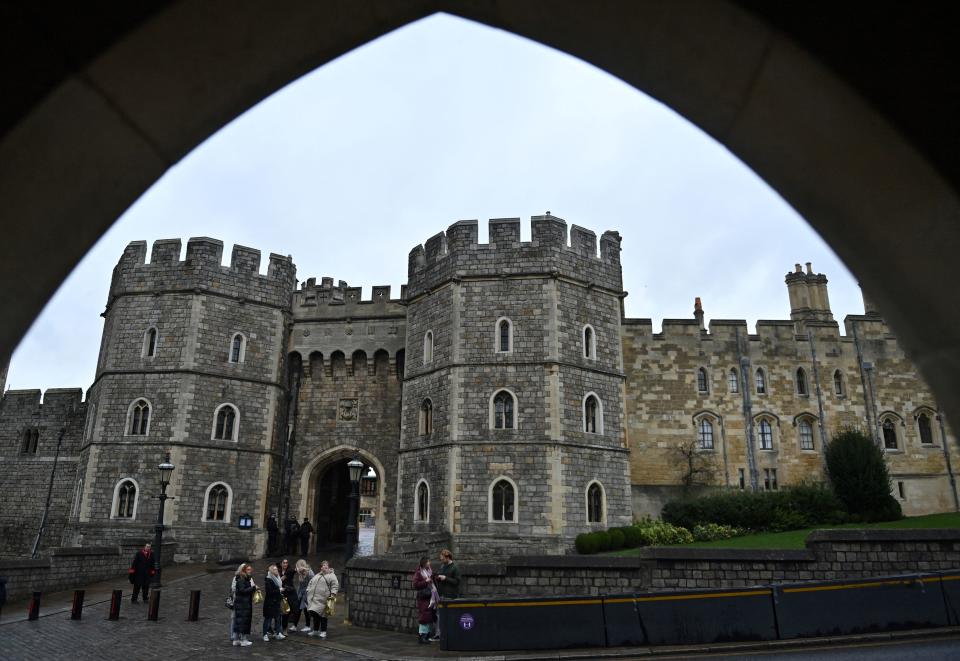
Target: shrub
{"x": 617, "y": 539}
{"x": 661, "y": 533}
{"x": 602, "y": 538}
{"x": 585, "y": 543}
{"x": 858, "y": 473}
{"x": 789, "y": 509}
{"x": 709, "y": 532}
{"x": 632, "y": 537}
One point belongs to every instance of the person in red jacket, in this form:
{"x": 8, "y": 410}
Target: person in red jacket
{"x": 142, "y": 571}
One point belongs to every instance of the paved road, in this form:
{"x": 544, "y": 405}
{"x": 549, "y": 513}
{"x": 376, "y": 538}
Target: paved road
{"x": 933, "y": 649}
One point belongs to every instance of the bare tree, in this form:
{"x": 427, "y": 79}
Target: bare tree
{"x": 697, "y": 465}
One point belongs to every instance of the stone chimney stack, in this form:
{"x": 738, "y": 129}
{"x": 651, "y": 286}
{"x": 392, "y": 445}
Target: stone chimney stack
{"x": 698, "y": 313}
{"x": 809, "y": 299}
{"x": 869, "y": 307}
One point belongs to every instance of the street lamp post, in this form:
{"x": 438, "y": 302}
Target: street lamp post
{"x": 356, "y": 467}
{"x": 166, "y": 468}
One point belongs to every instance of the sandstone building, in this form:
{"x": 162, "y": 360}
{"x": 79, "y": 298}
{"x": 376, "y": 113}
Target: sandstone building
{"x": 502, "y": 400}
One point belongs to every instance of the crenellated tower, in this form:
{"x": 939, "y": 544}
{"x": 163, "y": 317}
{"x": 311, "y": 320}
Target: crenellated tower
{"x": 191, "y": 362}
{"x": 511, "y": 436}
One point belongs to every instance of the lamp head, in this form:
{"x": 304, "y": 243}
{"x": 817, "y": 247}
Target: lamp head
{"x": 356, "y": 467}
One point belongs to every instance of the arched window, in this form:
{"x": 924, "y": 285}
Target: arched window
{"x": 504, "y": 335}
{"x": 428, "y": 347}
{"x": 761, "y": 382}
{"x": 733, "y": 380}
{"x": 238, "y": 348}
{"x": 801, "y": 381}
{"x": 139, "y": 418}
{"x": 592, "y": 414}
{"x": 889, "y": 434}
{"x": 589, "y": 342}
{"x": 923, "y": 426}
{"x": 503, "y": 406}
{"x": 838, "y": 382}
{"x": 316, "y": 366}
{"x": 149, "y": 343}
{"x": 765, "y": 434}
{"x": 381, "y": 363}
{"x": 703, "y": 384}
{"x": 503, "y": 500}
{"x": 125, "y": 499}
{"x": 217, "y": 502}
{"x": 595, "y": 508}
{"x": 338, "y": 364}
{"x": 31, "y": 438}
{"x": 358, "y": 363}
{"x": 401, "y": 359}
{"x": 426, "y": 417}
{"x": 421, "y": 512}
{"x": 705, "y": 434}
{"x": 805, "y": 431}
{"x": 225, "y": 423}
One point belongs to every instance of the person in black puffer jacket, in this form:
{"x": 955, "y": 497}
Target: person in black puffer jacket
{"x": 271, "y": 605}
{"x": 243, "y": 589}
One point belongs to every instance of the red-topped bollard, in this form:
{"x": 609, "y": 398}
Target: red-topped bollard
{"x": 76, "y": 611}
{"x": 33, "y": 610}
{"x": 116, "y": 598}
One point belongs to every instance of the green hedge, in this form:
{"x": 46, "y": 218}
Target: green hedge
{"x": 646, "y": 532}
{"x": 789, "y": 509}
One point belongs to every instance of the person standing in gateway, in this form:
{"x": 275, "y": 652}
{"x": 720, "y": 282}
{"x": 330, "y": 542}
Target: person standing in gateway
{"x": 306, "y": 530}
{"x": 141, "y": 572}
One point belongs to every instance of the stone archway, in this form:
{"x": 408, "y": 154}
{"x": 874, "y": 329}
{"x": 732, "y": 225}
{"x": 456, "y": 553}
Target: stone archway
{"x": 316, "y": 477}
{"x": 90, "y": 128}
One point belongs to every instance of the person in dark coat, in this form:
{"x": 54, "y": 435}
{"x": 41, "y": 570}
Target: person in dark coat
{"x": 305, "y": 531}
{"x": 271, "y": 605}
{"x": 427, "y": 598}
{"x": 243, "y": 589}
{"x": 141, "y": 572}
{"x": 448, "y": 576}
{"x": 273, "y": 534}
{"x": 293, "y": 536}
{"x": 288, "y": 578}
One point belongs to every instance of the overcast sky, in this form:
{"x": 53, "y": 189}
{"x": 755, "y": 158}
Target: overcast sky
{"x": 349, "y": 167}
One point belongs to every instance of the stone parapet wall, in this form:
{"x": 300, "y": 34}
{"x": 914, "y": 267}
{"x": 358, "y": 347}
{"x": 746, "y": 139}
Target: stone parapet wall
{"x": 71, "y": 568}
{"x": 382, "y": 596}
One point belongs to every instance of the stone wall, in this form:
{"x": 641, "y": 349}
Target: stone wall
{"x": 382, "y": 595}
{"x": 865, "y": 379}
{"x": 71, "y": 568}
{"x": 25, "y": 475}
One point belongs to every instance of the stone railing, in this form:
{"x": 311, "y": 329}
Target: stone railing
{"x": 71, "y": 568}
{"x": 382, "y": 596}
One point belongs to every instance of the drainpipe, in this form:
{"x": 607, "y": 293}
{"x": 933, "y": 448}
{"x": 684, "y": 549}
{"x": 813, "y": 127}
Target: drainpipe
{"x": 946, "y": 457}
{"x": 871, "y": 413}
{"x": 816, "y": 382}
{"x": 46, "y": 507}
{"x": 745, "y": 376}
{"x": 290, "y": 435}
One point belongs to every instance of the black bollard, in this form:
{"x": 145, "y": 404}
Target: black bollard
{"x": 194, "y": 613}
{"x": 153, "y": 610}
{"x": 77, "y": 611}
{"x": 33, "y": 611}
{"x": 116, "y": 598}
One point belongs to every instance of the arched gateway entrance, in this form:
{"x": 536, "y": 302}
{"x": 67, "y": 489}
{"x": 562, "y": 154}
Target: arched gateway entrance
{"x": 325, "y": 491}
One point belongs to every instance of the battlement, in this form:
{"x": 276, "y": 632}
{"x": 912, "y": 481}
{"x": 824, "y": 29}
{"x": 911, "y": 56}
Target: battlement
{"x": 341, "y": 300}
{"x": 458, "y": 253}
{"x": 202, "y": 270}
{"x": 34, "y": 400}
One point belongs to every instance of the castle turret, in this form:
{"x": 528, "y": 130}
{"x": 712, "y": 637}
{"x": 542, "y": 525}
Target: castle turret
{"x": 698, "y": 313}
{"x": 511, "y": 436}
{"x": 808, "y": 295}
{"x": 190, "y": 363}
{"x": 870, "y": 308}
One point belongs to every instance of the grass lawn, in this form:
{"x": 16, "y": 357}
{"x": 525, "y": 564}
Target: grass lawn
{"x": 794, "y": 539}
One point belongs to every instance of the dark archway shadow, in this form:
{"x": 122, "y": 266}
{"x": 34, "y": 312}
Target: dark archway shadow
{"x": 112, "y": 112}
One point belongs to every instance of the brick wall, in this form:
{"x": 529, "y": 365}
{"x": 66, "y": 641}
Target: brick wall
{"x": 72, "y": 568}
{"x": 382, "y": 595}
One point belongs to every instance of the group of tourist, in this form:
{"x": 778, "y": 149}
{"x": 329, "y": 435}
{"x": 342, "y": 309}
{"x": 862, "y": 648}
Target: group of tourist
{"x": 287, "y": 593}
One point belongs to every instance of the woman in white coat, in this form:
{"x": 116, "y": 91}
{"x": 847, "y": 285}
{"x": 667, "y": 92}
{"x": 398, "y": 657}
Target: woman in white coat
{"x": 321, "y": 587}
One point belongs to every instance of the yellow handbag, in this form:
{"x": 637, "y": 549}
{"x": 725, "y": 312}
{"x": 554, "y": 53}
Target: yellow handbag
{"x": 258, "y": 596}
{"x": 328, "y": 607}
{"x": 284, "y": 606}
